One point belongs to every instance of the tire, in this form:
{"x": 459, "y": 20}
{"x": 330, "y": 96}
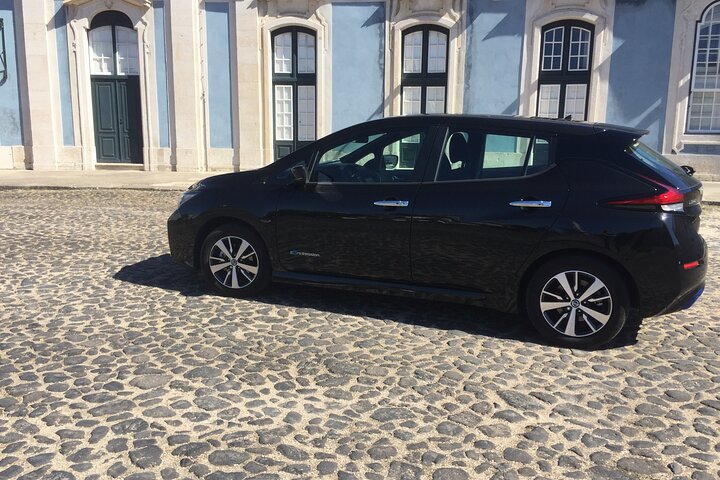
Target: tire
{"x": 599, "y": 303}
{"x": 235, "y": 261}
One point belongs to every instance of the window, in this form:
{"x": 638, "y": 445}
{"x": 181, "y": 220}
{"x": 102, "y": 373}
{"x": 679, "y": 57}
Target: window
{"x": 294, "y": 89}
{"x": 425, "y": 65}
{"x": 476, "y": 155}
{"x": 565, "y": 67}
{"x": 704, "y": 105}
{"x": 383, "y": 157}
{"x": 113, "y": 45}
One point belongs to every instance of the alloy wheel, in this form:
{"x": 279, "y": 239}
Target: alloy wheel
{"x": 233, "y": 262}
{"x": 576, "y": 303}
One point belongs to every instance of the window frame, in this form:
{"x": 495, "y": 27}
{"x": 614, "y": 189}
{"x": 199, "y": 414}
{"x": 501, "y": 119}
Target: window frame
{"x": 443, "y": 136}
{"x": 566, "y": 77}
{"x": 295, "y": 80}
{"x": 693, "y": 70}
{"x": 112, "y": 19}
{"x": 424, "y": 79}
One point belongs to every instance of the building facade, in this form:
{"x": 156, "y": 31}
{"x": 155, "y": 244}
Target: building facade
{"x": 218, "y": 85}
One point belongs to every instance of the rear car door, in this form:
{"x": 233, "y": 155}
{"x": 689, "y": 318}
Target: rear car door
{"x": 488, "y": 203}
{"x": 353, "y": 217}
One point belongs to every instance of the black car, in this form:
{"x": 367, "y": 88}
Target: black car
{"x": 573, "y": 224}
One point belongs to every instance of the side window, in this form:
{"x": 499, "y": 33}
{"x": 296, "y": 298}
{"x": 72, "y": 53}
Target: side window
{"x": 383, "y": 157}
{"x": 478, "y": 155}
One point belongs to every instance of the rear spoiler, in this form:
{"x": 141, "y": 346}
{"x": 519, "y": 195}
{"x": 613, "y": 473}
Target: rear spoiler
{"x": 621, "y": 131}
{"x": 621, "y": 136}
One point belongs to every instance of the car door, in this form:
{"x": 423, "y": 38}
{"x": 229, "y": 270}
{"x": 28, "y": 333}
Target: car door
{"x": 488, "y": 203}
{"x": 353, "y": 217}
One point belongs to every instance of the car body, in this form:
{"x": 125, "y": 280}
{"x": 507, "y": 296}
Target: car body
{"x": 466, "y": 208}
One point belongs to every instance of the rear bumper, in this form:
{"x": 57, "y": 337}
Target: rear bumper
{"x": 686, "y": 301}
{"x": 690, "y": 285}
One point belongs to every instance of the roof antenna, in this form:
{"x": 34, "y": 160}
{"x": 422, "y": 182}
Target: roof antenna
{"x": 568, "y": 118}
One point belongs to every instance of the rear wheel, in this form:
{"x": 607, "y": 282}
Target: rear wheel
{"x": 235, "y": 261}
{"x": 577, "y": 301}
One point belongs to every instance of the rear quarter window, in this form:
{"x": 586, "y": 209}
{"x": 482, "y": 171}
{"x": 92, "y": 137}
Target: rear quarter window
{"x": 653, "y": 159}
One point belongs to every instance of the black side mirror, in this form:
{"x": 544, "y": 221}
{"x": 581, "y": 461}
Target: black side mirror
{"x": 688, "y": 169}
{"x": 391, "y": 161}
{"x": 300, "y": 175}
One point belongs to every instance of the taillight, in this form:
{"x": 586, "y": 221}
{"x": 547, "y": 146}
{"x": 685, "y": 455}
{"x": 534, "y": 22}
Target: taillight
{"x": 669, "y": 199}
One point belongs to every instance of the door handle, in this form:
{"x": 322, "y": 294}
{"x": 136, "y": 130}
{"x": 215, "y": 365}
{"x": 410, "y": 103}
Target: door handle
{"x": 531, "y": 203}
{"x": 391, "y": 203}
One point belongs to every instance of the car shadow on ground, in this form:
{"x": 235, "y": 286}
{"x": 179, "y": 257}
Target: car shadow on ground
{"x": 162, "y": 272}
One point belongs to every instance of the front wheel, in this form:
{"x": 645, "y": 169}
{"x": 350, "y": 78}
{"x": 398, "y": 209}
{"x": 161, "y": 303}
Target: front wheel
{"x": 235, "y": 261}
{"x": 577, "y": 301}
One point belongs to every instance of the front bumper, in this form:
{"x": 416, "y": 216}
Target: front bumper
{"x": 181, "y": 239}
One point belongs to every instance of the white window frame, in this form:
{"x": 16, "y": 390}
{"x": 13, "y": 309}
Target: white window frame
{"x": 599, "y": 13}
{"x": 313, "y": 19}
{"x": 579, "y": 55}
{"x": 687, "y": 19}
{"x": 553, "y": 56}
{"x": 402, "y": 16}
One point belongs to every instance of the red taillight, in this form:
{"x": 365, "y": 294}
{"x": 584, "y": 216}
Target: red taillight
{"x": 669, "y": 198}
{"x": 665, "y": 198}
{"x": 691, "y": 265}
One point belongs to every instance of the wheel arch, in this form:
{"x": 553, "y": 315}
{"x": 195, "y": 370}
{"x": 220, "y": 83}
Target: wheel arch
{"x": 212, "y": 224}
{"x": 541, "y": 260}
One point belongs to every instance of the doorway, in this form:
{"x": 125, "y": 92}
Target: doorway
{"x": 115, "y": 83}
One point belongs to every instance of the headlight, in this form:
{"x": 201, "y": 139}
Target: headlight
{"x": 193, "y": 190}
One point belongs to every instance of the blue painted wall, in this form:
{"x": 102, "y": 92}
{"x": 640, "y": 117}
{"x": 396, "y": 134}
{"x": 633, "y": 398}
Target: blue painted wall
{"x": 358, "y": 62}
{"x": 494, "y": 56}
{"x": 219, "y": 94}
{"x": 10, "y": 120}
{"x": 640, "y": 65}
{"x": 60, "y": 24}
{"x": 161, "y": 73}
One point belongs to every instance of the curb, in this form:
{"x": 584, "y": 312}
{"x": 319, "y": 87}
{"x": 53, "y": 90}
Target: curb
{"x": 74, "y": 187}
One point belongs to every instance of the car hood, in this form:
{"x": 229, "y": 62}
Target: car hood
{"x": 229, "y": 179}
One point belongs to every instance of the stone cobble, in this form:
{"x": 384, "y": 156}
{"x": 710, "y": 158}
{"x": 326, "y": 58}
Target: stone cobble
{"x": 117, "y": 363}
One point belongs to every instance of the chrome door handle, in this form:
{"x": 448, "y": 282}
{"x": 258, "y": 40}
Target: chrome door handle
{"x": 531, "y": 203}
{"x": 391, "y": 203}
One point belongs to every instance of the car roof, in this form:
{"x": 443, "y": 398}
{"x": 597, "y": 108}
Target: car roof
{"x": 570, "y": 127}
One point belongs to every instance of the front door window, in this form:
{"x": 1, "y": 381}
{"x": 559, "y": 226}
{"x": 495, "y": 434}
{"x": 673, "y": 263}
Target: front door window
{"x": 384, "y": 157}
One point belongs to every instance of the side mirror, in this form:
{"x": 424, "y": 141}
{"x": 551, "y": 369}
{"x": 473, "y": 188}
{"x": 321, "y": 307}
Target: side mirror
{"x": 299, "y": 174}
{"x": 688, "y": 169}
{"x": 391, "y": 161}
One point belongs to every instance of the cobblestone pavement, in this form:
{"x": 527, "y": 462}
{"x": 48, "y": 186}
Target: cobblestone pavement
{"x": 114, "y": 362}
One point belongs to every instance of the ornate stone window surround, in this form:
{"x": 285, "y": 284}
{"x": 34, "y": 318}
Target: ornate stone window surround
{"x": 80, "y": 14}
{"x": 599, "y": 13}
{"x": 315, "y": 21}
{"x": 688, "y": 15}
{"x": 403, "y": 15}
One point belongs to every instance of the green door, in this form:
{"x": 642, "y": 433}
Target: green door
{"x": 117, "y": 118}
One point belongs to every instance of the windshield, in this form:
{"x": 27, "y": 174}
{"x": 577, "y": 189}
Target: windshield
{"x": 653, "y": 159}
